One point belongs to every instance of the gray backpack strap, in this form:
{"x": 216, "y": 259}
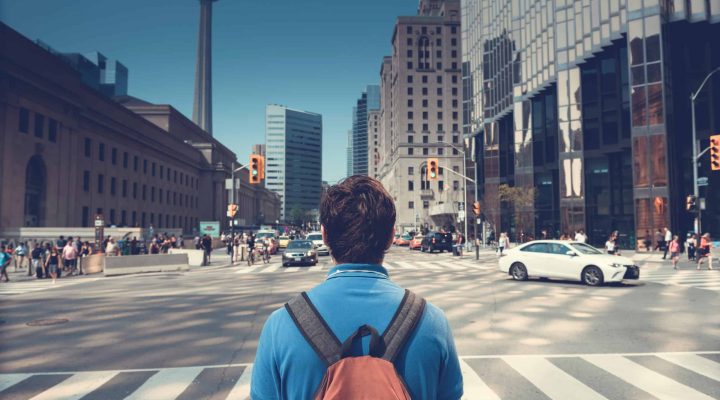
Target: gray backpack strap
{"x": 403, "y": 324}
{"x": 314, "y": 328}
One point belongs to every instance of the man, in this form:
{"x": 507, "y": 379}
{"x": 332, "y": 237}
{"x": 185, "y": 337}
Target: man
{"x": 20, "y": 255}
{"x": 69, "y": 255}
{"x": 357, "y": 217}
{"x": 207, "y": 247}
{"x": 36, "y": 256}
{"x": 4, "y": 262}
{"x": 668, "y": 238}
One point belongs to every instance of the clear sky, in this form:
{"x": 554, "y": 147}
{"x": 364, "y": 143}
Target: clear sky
{"x": 313, "y": 55}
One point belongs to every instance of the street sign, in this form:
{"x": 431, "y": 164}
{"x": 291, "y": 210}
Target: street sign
{"x": 211, "y": 228}
{"x": 702, "y": 181}
{"x": 461, "y": 206}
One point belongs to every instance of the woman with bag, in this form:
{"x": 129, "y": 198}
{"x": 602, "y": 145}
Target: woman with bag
{"x": 53, "y": 262}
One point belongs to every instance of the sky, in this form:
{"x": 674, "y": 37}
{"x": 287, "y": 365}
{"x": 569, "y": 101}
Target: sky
{"x": 312, "y": 55}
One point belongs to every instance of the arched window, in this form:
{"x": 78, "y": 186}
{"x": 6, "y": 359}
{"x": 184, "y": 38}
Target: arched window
{"x": 423, "y": 52}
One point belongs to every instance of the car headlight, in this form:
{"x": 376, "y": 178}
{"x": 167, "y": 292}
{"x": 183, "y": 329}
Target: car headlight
{"x": 616, "y": 265}
{"x": 310, "y": 253}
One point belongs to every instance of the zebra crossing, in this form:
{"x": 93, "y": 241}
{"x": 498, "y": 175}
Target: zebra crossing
{"x": 702, "y": 279}
{"x": 22, "y": 287}
{"x": 462, "y": 265}
{"x": 671, "y": 376}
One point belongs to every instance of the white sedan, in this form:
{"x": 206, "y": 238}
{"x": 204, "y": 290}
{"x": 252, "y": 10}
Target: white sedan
{"x": 566, "y": 260}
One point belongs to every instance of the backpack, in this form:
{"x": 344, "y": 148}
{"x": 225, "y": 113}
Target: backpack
{"x": 366, "y": 377}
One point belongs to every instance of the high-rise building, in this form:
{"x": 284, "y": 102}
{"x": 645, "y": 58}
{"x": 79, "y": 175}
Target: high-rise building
{"x": 369, "y": 100}
{"x": 293, "y": 143}
{"x": 202, "y": 106}
{"x": 258, "y": 149}
{"x": 587, "y": 104}
{"x": 420, "y": 116}
{"x": 373, "y": 128}
{"x": 349, "y": 166}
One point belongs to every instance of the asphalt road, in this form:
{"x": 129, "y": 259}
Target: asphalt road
{"x": 193, "y": 335}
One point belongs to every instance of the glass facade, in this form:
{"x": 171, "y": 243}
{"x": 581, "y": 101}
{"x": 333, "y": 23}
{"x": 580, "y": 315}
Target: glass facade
{"x": 369, "y": 100}
{"x": 587, "y": 102}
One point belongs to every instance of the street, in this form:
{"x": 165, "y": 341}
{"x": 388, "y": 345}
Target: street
{"x": 194, "y": 335}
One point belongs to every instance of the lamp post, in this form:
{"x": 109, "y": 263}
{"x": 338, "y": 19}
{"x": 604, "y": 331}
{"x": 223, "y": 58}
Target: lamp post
{"x": 464, "y": 175}
{"x": 695, "y": 156}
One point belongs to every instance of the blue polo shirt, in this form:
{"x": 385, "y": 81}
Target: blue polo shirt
{"x": 286, "y": 367}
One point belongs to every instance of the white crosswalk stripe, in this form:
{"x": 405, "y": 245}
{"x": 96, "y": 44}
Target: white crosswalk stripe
{"x": 451, "y": 265}
{"x": 540, "y": 371}
{"x": 22, "y": 287}
{"x": 703, "y": 279}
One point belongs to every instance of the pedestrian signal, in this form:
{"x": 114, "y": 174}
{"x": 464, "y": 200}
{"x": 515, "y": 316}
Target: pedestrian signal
{"x": 432, "y": 169}
{"x": 232, "y": 210}
{"x": 715, "y": 152}
{"x": 476, "y": 208}
{"x": 257, "y": 168}
{"x": 690, "y": 203}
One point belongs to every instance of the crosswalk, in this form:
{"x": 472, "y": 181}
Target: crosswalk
{"x": 703, "y": 279}
{"x": 671, "y": 376}
{"x": 22, "y": 287}
{"x": 462, "y": 265}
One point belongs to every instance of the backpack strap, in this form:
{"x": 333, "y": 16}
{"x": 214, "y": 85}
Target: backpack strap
{"x": 403, "y": 324}
{"x": 314, "y": 328}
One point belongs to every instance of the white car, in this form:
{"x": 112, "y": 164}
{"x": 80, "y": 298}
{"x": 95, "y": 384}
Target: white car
{"x": 317, "y": 240}
{"x": 566, "y": 260}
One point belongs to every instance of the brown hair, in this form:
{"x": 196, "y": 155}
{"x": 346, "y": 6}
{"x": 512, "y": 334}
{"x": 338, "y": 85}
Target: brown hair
{"x": 358, "y": 215}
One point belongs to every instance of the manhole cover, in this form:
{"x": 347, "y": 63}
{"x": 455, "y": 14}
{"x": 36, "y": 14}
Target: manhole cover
{"x": 47, "y": 322}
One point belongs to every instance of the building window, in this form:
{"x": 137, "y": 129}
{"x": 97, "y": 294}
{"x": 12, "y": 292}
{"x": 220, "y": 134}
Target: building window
{"x": 88, "y": 147}
{"x": 411, "y": 186}
{"x": 52, "y": 130}
{"x": 455, "y": 152}
{"x": 456, "y": 185}
{"x": 152, "y": 194}
{"x": 456, "y": 128}
{"x": 410, "y": 151}
{"x": 439, "y": 103}
{"x": 454, "y": 103}
{"x": 410, "y": 139}
{"x": 135, "y": 186}
{"x": 454, "y": 91}
{"x": 409, "y": 79}
{"x": 134, "y": 218}
{"x": 144, "y": 192}
{"x": 408, "y": 29}
{"x": 438, "y": 65}
{"x": 113, "y": 156}
{"x": 39, "y": 125}
{"x": 135, "y": 163}
{"x": 409, "y": 65}
{"x": 425, "y": 151}
{"x": 411, "y": 170}
{"x": 440, "y": 151}
{"x": 425, "y": 139}
{"x": 112, "y": 186}
{"x": 112, "y": 216}
{"x": 409, "y": 53}
{"x": 411, "y": 204}
{"x": 124, "y": 188}
{"x": 438, "y": 30}
{"x": 410, "y": 91}
{"x": 410, "y": 115}
{"x": 438, "y": 54}
{"x": 424, "y": 79}
{"x": 453, "y": 42}
{"x": 86, "y": 181}
{"x": 426, "y": 128}
{"x": 410, "y": 102}
{"x": 85, "y": 216}
{"x": 441, "y": 186}
{"x": 143, "y": 220}
{"x": 24, "y": 120}
{"x": 439, "y": 79}
{"x": 424, "y": 103}
{"x": 153, "y": 169}
{"x": 454, "y": 79}
{"x": 145, "y": 163}
{"x": 440, "y": 128}
{"x": 410, "y": 128}
{"x": 126, "y": 157}
{"x": 123, "y": 218}
{"x": 453, "y": 54}
{"x": 160, "y": 196}
{"x": 409, "y": 41}
{"x": 438, "y": 42}
{"x": 426, "y": 204}
{"x": 424, "y": 91}
{"x": 440, "y": 115}
{"x": 162, "y": 171}
{"x": 455, "y": 115}
{"x": 455, "y": 138}
{"x": 101, "y": 183}
{"x": 101, "y": 151}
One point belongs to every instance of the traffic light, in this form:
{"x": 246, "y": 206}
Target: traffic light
{"x": 476, "y": 208}
{"x": 232, "y": 210}
{"x": 715, "y": 152}
{"x": 690, "y": 203}
{"x": 257, "y": 168}
{"x": 432, "y": 169}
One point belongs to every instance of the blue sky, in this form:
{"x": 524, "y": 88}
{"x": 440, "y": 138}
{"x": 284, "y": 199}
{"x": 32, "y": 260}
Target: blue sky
{"x": 314, "y": 55}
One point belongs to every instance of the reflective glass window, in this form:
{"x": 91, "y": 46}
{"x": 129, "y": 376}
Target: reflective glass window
{"x": 638, "y": 75}
{"x": 655, "y": 104}
{"x": 635, "y": 33}
{"x": 639, "y": 111}
{"x": 658, "y": 150}
{"x": 652, "y": 38}
{"x": 653, "y": 72}
{"x": 640, "y": 162}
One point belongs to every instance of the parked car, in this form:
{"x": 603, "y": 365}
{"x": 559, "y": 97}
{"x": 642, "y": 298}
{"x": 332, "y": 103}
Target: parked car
{"x": 566, "y": 260}
{"x": 397, "y": 236}
{"x": 316, "y": 238}
{"x": 283, "y": 241}
{"x": 416, "y": 242}
{"x": 300, "y": 252}
{"x": 436, "y": 241}
{"x": 403, "y": 240}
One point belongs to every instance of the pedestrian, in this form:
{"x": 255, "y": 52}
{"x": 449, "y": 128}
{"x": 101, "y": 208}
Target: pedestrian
{"x": 111, "y": 249}
{"x": 300, "y": 355}
{"x": 85, "y": 251}
{"x": 60, "y": 243}
{"x": 674, "y": 247}
{"x": 691, "y": 243}
{"x": 196, "y": 242}
{"x": 207, "y": 247}
{"x": 502, "y": 243}
{"x": 648, "y": 241}
{"x": 69, "y": 255}
{"x": 134, "y": 246}
{"x": 20, "y": 256}
{"x": 230, "y": 243}
{"x": 668, "y": 237}
{"x": 659, "y": 239}
{"x": 459, "y": 243}
{"x": 5, "y": 259}
{"x": 154, "y": 247}
{"x": 705, "y": 251}
{"x": 36, "y": 261}
{"x": 610, "y": 245}
{"x": 52, "y": 263}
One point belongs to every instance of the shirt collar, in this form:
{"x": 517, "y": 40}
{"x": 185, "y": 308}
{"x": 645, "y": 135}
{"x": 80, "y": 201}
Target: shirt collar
{"x": 358, "y": 270}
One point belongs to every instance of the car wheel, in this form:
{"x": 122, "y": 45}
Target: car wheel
{"x": 592, "y": 276}
{"x": 519, "y": 272}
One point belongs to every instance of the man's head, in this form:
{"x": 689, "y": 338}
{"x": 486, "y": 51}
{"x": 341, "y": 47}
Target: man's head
{"x": 358, "y": 220}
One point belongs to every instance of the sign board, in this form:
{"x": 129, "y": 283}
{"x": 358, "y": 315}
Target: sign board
{"x": 99, "y": 223}
{"x": 211, "y": 228}
{"x": 99, "y": 229}
{"x": 702, "y": 181}
{"x": 461, "y": 206}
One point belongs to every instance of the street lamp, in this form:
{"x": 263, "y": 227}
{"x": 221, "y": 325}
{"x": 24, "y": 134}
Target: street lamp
{"x": 464, "y": 175}
{"x": 695, "y": 155}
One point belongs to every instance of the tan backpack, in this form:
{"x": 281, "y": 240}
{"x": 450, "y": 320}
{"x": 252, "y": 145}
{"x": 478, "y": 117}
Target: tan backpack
{"x": 366, "y": 377}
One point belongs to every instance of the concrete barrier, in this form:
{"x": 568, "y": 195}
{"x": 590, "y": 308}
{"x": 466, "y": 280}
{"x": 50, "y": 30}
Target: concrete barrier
{"x": 93, "y": 264}
{"x": 195, "y": 257}
{"x": 146, "y": 263}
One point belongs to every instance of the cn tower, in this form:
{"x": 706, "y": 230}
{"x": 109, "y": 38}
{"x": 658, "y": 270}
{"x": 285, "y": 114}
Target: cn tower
{"x": 202, "y": 106}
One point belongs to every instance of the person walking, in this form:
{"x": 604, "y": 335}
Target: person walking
{"x": 5, "y": 259}
{"x": 705, "y": 251}
{"x": 610, "y": 245}
{"x": 659, "y": 239}
{"x": 111, "y": 249}
{"x": 667, "y": 239}
{"x": 691, "y": 243}
{"x": 53, "y": 263}
{"x": 154, "y": 247}
{"x": 20, "y": 253}
{"x": 85, "y": 251}
{"x": 502, "y": 243}
{"x": 301, "y": 354}
{"x": 648, "y": 241}
{"x": 69, "y": 255}
{"x": 674, "y": 247}
{"x": 207, "y": 247}
{"x": 36, "y": 261}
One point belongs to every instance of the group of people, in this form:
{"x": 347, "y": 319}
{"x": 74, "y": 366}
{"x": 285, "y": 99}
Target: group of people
{"x": 696, "y": 252}
{"x": 242, "y": 243}
{"x": 47, "y": 260}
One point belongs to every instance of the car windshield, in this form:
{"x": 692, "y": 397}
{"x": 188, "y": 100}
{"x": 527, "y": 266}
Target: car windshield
{"x": 585, "y": 249}
{"x": 314, "y": 237}
{"x": 406, "y": 236}
{"x": 263, "y": 235}
{"x": 284, "y": 238}
{"x": 300, "y": 244}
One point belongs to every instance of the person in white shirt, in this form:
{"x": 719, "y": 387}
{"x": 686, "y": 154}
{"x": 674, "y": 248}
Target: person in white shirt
{"x": 668, "y": 239}
{"x": 610, "y": 245}
{"x": 580, "y": 236}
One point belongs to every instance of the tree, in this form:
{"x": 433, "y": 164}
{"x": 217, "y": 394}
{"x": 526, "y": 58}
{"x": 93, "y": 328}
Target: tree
{"x": 522, "y": 200}
{"x": 297, "y": 216}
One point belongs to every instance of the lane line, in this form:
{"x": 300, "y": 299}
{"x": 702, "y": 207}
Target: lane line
{"x": 646, "y": 379}
{"x": 241, "y": 390}
{"x": 270, "y": 269}
{"x": 166, "y": 384}
{"x": 316, "y": 268}
{"x": 697, "y": 364}
{"x": 76, "y": 387}
{"x": 473, "y": 386}
{"x": 7, "y": 380}
{"x": 551, "y": 380}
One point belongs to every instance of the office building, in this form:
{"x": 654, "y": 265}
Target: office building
{"x": 369, "y": 101}
{"x": 293, "y": 143}
{"x": 373, "y": 128}
{"x": 349, "y": 153}
{"x": 587, "y": 103}
{"x": 420, "y": 117}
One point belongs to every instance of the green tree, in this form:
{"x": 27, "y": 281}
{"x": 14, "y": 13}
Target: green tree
{"x": 522, "y": 201}
{"x": 297, "y": 216}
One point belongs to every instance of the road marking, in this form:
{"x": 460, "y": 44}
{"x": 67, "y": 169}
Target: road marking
{"x": 241, "y": 390}
{"x": 166, "y": 384}
{"x": 646, "y": 379}
{"x": 292, "y": 269}
{"x": 695, "y": 363}
{"x": 22, "y": 287}
{"x": 473, "y": 385}
{"x": 7, "y": 380}
{"x": 551, "y": 380}
{"x": 270, "y": 269}
{"x": 76, "y": 387}
{"x": 316, "y": 268}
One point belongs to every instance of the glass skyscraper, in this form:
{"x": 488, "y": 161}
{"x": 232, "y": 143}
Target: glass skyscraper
{"x": 293, "y": 161}
{"x": 369, "y": 100}
{"x": 587, "y": 101}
